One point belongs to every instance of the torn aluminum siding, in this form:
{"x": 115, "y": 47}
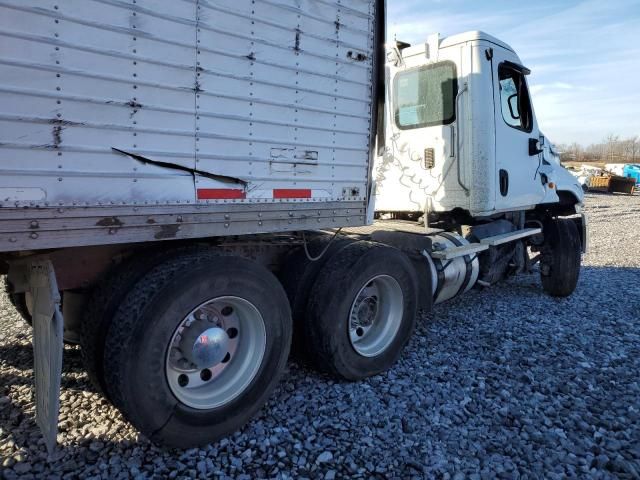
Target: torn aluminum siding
{"x": 275, "y": 95}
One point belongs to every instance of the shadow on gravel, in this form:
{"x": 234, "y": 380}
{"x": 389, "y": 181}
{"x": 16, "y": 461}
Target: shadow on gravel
{"x": 613, "y": 283}
{"x": 20, "y": 357}
{"x": 20, "y": 360}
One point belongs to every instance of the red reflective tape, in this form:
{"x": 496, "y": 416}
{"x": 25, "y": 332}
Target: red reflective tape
{"x": 292, "y": 193}
{"x": 221, "y": 194}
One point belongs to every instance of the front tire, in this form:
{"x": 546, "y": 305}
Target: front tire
{"x": 561, "y": 256}
{"x": 362, "y": 311}
{"x": 176, "y": 386}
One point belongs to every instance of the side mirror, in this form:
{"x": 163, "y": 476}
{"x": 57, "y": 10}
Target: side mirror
{"x": 535, "y": 148}
{"x": 513, "y": 107}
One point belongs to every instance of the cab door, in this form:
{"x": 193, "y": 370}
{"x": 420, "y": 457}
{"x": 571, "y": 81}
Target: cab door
{"x": 418, "y": 136}
{"x": 518, "y": 156}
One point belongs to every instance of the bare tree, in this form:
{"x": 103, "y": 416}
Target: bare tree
{"x": 577, "y": 152}
{"x": 632, "y": 149}
{"x": 612, "y": 148}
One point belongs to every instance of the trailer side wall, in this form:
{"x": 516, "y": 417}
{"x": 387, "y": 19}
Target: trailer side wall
{"x": 126, "y": 121}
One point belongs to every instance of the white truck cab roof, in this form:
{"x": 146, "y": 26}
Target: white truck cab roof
{"x": 470, "y": 37}
{"x": 475, "y": 35}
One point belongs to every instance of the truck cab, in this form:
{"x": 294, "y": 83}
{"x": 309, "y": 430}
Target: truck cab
{"x": 462, "y": 135}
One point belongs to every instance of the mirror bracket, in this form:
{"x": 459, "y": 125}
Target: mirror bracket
{"x": 535, "y": 147}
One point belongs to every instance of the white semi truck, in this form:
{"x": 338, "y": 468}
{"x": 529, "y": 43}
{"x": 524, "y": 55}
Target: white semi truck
{"x": 187, "y": 186}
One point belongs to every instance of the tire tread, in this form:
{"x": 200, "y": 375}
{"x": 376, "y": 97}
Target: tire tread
{"x": 319, "y": 328}
{"x": 104, "y": 301}
{"x": 119, "y": 338}
{"x": 562, "y": 255}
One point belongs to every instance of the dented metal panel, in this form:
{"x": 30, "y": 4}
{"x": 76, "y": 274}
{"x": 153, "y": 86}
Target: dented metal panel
{"x": 108, "y": 103}
{"x": 82, "y": 226}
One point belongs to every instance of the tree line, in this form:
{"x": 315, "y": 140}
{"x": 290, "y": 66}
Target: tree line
{"x": 612, "y": 149}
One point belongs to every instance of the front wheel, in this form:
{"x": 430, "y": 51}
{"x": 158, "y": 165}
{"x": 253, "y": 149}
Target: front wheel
{"x": 561, "y": 255}
{"x": 196, "y": 348}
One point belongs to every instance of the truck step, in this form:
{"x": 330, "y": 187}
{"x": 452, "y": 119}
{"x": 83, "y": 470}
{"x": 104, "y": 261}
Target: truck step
{"x": 510, "y": 237}
{"x": 455, "y": 252}
{"x": 485, "y": 243}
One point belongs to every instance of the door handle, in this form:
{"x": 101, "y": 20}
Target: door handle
{"x": 453, "y": 141}
{"x": 504, "y": 182}
{"x": 457, "y": 137}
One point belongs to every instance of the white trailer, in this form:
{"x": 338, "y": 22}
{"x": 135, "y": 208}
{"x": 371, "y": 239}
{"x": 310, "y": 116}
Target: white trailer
{"x": 185, "y": 186}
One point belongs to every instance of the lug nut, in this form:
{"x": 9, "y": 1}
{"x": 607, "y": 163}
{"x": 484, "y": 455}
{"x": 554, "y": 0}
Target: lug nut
{"x": 232, "y": 332}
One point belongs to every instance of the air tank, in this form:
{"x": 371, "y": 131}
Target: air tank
{"x": 453, "y": 277}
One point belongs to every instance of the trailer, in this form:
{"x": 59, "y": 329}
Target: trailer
{"x": 189, "y": 189}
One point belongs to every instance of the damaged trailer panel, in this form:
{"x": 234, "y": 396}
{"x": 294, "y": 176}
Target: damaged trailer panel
{"x": 184, "y": 119}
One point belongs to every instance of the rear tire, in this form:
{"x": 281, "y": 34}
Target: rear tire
{"x": 362, "y": 311}
{"x": 298, "y": 276}
{"x": 164, "y": 307}
{"x": 103, "y": 303}
{"x": 19, "y": 302}
{"x": 561, "y": 257}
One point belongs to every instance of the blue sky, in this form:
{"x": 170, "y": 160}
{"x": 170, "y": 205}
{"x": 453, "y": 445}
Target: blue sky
{"x": 584, "y": 55}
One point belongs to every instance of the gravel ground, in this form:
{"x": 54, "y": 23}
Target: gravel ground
{"x": 504, "y": 382}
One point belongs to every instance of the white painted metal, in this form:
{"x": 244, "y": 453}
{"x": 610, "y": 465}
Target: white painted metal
{"x": 526, "y": 188}
{"x": 510, "y": 236}
{"x": 469, "y": 152}
{"x": 276, "y": 94}
{"x": 560, "y": 176}
{"x": 455, "y": 252}
{"x": 403, "y": 182}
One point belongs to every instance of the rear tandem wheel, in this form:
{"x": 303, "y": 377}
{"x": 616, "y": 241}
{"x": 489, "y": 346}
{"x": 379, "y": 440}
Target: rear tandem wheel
{"x": 196, "y": 347}
{"x": 361, "y": 311}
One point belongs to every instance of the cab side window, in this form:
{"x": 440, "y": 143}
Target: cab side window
{"x": 425, "y": 96}
{"x": 514, "y": 98}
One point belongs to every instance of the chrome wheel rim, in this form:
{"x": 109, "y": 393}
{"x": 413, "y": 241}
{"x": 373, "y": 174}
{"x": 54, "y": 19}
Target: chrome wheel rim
{"x": 375, "y": 316}
{"x": 216, "y": 352}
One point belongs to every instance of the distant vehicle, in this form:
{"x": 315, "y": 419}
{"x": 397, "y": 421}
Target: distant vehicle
{"x": 169, "y": 172}
{"x": 633, "y": 171}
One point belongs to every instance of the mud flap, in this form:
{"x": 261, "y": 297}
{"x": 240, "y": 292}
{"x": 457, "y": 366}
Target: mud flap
{"x": 47, "y": 348}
